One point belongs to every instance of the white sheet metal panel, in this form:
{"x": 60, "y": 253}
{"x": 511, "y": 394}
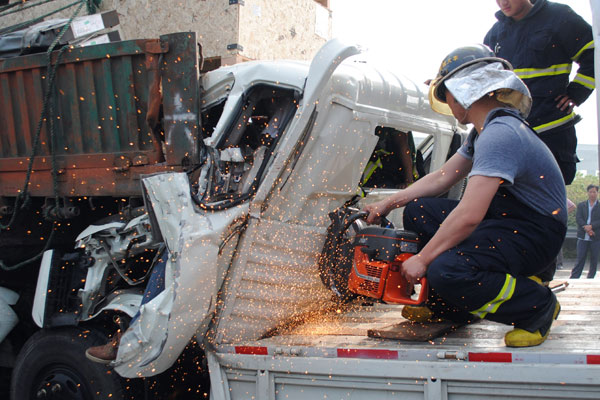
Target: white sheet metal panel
{"x": 273, "y": 280}
{"x": 328, "y": 170}
{"x": 365, "y": 88}
{"x": 194, "y": 273}
{"x": 285, "y": 244}
{"x": 289, "y": 218}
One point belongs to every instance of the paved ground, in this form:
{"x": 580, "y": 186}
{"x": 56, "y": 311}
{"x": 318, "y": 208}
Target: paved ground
{"x": 568, "y": 264}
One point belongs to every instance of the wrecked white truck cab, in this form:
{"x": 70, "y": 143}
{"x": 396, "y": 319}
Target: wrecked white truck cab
{"x": 286, "y": 143}
{"x": 216, "y": 266}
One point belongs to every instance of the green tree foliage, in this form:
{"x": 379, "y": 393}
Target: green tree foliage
{"x": 577, "y": 192}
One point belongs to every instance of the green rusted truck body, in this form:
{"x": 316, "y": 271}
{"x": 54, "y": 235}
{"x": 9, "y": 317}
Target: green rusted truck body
{"x": 111, "y": 123}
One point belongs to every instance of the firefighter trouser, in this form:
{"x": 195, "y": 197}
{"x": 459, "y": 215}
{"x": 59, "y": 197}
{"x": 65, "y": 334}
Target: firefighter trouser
{"x": 485, "y": 276}
{"x": 562, "y": 142}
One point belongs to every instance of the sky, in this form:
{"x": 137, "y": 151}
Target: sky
{"x": 413, "y": 36}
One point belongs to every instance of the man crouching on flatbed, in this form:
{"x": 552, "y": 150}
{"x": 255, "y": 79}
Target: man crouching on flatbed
{"x": 511, "y": 221}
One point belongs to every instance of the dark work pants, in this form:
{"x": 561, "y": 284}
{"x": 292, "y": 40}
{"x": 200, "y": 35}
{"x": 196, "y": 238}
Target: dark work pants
{"x": 562, "y": 142}
{"x": 583, "y": 247}
{"x": 511, "y": 243}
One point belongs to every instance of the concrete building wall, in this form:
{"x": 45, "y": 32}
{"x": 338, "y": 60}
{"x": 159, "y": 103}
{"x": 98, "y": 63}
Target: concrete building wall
{"x": 265, "y": 29}
{"x": 293, "y": 29}
{"x": 214, "y": 21}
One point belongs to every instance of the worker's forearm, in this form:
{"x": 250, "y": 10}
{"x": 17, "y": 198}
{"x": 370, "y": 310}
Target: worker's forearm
{"x": 430, "y": 185}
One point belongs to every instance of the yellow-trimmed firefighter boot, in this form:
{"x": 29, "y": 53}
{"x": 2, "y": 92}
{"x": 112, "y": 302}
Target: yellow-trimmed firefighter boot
{"x": 522, "y": 338}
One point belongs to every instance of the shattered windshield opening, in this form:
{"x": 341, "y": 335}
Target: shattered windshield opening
{"x": 235, "y": 167}
{"x": 210, "y": 117}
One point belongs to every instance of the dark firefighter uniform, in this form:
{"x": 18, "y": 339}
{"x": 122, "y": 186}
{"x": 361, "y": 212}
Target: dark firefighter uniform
{"x": 486, "y": 275}
{"x": 542, "y": 48}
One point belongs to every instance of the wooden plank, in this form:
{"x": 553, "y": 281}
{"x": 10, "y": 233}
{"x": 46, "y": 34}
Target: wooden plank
{"x": 414, "y": 331}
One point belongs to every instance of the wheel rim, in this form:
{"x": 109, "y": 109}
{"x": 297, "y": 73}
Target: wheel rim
{"x": 60, "y": 381}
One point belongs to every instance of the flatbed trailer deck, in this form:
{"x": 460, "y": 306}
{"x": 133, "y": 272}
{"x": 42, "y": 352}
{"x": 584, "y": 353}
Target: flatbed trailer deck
{"x": 331, "y": 356}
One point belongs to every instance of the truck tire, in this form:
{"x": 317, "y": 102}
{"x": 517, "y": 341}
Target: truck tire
{"x": 52, "y": 365}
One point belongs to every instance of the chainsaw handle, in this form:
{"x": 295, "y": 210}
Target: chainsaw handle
{"x": 422, "y": 294}
{"x": 352, "y": 218}
{"x": 385, "y": 223}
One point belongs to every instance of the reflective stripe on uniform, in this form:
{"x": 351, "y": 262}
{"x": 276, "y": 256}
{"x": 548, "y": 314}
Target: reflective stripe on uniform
{"x": 589, "y": 45}
{"x": 558, "y": 69}
{"x": 554, "y": 124}
{"x": 586, "y": 81}
{"x": 505, "y": 294}
{"x": 372, "y": 166}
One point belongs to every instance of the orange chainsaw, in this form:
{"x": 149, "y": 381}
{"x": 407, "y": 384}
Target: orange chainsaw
{"x": 368, "y": 261}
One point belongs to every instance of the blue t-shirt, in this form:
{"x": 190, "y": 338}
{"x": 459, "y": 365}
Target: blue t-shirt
{"x": 508, "y": 149}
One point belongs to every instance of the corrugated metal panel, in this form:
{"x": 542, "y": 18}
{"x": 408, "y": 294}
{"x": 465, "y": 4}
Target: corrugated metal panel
{"x": 103, "y": 142}
{"x": 101, "y": 97}
{"x": 279, "y": 281}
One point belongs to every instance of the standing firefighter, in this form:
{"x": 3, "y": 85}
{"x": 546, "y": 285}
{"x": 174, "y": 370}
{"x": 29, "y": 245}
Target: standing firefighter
{"x": 511, "y": 221}
{"x": 542, "y": 39}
